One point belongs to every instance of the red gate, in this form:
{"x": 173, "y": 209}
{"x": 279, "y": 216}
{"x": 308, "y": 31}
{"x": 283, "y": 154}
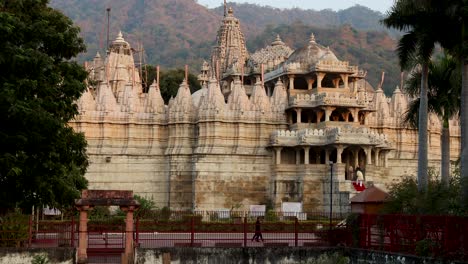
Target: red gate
{"x": 106, "y": 241}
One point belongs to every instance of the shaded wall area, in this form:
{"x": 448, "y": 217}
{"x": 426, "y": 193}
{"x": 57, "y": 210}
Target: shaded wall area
{"x": 65, "y": 255}
{"x": 276, "y": 256}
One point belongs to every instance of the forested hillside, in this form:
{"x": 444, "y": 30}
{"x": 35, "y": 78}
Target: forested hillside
{"x": 177, "y": 32}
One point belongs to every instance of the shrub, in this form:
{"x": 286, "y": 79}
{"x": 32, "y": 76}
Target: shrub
{"x": 14, "y": 230}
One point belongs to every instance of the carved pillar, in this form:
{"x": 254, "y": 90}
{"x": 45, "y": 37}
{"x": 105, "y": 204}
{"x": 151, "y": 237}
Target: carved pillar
{"x": 339, "y": 151}
{"x": 319, "y": 115}
{"x": 356, "y": 158}
{"x": 368, "y": 151}
{"x": 291, "y": 82}
{"x": 306, "y": 155}
{"x": 83, "y": 234}
{"x": 278, "y": 155}
{"x": 355, "y": 88}
{"x": 376, "y": 157}
{"x": 344, "y": 77}
{"x": 310, "y": 83}
{"x": 328, "y": 112}
{"x": 336, "y": 82}
{"x": 327, "y": 156}
{"x": 320, "y": 76}
{"x": 355, "y": 113}
{"x": 298, "y": 115}
{"x": 345, "y": 116}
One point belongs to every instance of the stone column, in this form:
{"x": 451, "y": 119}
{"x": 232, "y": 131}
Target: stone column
{"x": 320, "y": 76}
{"x": 278, "y": 155}
{"x": 339, "y": 151}
{"x": 376, "y": 157}
{"x": 344, "y": 77}
{"x": 83, "y": 234}
{"x": 291, "y": 82}
{"x": 336, "y": 82}
{"x": 368, "y": 151}
{"x": 298, "y": 156}
{"x": 319, "y": 115}
{"x": 356, "y": 158}
{"x": 129, "y": 230}
{"x": 306, "y": 155}
{"x": 355, "y": 113}
{"x": 310, "y": 83}
{"x": 328, "y": 112}
{"x": 298, "y": 115}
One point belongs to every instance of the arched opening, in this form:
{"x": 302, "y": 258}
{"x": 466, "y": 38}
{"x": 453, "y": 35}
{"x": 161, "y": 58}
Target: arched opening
{"x": 293, "y": 116}
{"x": 362, "y": 118}
{"x": 333, "y": 156}
{"x": 322, "y": 156}
{"x": 337, "y": 115}
{"x": 347, "y": 157}
{"x": 300, "y": 84}
{"x": 288, "y": 156}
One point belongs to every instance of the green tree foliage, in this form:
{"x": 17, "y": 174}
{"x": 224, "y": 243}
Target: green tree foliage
{"x": 169, "y": 82}
{"x": 444, "y": 87}
{"x": 42, "y": 160}
{"x": 417, "y": 44}
{"x": 439, "y": 199}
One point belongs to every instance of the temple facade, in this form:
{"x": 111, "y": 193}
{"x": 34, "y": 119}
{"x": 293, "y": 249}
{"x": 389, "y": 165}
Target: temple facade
{"x": 277, "y": 125}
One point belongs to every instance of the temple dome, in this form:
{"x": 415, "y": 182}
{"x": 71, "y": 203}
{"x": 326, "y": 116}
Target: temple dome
{"x": 312, "y": 53}
{"x": 276, "y": 53}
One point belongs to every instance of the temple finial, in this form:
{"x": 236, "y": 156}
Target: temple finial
{"x": 225, "y": 8}
{"x": 312, "y": 38}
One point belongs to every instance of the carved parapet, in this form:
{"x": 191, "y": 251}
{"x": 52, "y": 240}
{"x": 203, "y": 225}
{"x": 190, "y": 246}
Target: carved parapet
{"x": 334, "y": 66}
{"x": 327, "y": 98}
{"x": 336, "y": 135}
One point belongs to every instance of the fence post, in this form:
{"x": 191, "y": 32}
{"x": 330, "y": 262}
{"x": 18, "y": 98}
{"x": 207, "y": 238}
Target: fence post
{"x": 295, "y": 231}
{"x": 137, "y": 231}
{"x": 72, "y": 232}
{"x": 192, "y": 230}
{"x": 30, "y": 231}
{"x": 245, "y": 231}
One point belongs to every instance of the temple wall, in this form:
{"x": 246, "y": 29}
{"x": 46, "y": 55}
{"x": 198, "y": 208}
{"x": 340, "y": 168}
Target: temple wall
{"x": 230, "y": 181}
{"x": 126, "y": 154}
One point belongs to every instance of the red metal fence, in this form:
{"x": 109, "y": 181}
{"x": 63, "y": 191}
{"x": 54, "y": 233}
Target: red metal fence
{"x": 436, "y": 236}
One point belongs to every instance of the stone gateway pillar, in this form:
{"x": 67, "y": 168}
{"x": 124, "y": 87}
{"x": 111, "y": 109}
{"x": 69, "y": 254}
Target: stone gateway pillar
{"x": 91, "y": 198}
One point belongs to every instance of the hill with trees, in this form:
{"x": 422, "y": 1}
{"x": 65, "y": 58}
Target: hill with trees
{"x": 177, "y": 32}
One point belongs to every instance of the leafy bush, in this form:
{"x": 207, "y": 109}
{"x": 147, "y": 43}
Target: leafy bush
{"x": 147, "y": 207}
{"x": 40, "y": 259}
{"x": 438, "y": 200}
{"x": 14, "y": 230}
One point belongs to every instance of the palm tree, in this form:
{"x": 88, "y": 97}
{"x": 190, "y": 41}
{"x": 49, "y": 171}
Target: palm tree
{"x": 417, "y": 44}
{"x": 444, "y": 86}
{"x": 454, "y": 39}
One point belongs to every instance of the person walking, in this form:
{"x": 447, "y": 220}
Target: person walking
{"x": 258, "y": 233}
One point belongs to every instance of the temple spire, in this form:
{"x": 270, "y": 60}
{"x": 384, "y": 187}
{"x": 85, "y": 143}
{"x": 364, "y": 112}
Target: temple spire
{"x": 225, "y": 8}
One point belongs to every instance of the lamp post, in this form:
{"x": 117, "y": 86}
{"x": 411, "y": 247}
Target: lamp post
{"x": 331, "y": 194}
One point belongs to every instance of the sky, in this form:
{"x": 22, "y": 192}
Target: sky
{"x": 378, "y": 5}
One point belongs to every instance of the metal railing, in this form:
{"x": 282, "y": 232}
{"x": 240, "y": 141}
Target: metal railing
{"x": 433, "y": 236}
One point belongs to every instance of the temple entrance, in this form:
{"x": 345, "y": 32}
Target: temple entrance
{"x": 106, "y": 240}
